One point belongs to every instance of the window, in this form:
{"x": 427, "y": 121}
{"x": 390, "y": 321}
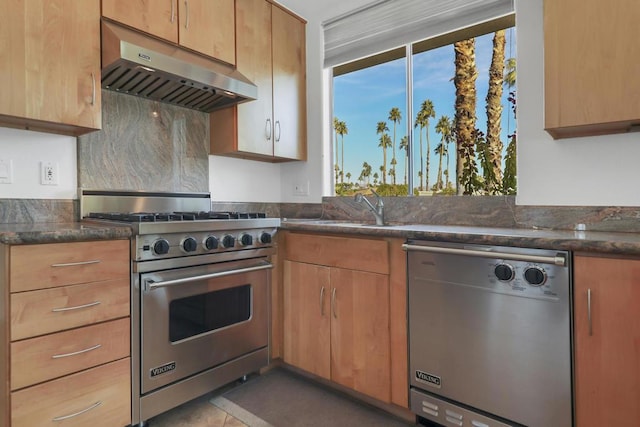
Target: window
{"x": 462, "y": 116}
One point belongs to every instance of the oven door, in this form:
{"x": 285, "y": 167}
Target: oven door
{"x": 199, "y": 317}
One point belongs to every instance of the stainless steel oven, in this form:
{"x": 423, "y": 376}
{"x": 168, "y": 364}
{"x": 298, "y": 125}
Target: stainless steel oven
{"x": 200, "y": 293}
{"x": 216, "y": 312}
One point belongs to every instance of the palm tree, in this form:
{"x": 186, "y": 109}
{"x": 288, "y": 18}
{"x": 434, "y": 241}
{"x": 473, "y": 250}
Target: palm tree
{"x": 381, "y": 129}
{"x": 509, "y": 179}
{"x": 392, "y": 171}
{"x": 366, "y": 172}
{"x": 404, "y": 145}
{"x": 420, "y": 123}
{"x": 375, "y": 178}
{"x": 348, "y": 176}
{"x": 443, "y": 127}
{"x": 342, "y": 130}
{"x": 465, "y": 107}
{"x": 385, "y": 142}
{"x": 493, "y": 147}
{"x": 395, "y": 116}
{"x": 336, "y": 125}
{"x": 428, "y": 112}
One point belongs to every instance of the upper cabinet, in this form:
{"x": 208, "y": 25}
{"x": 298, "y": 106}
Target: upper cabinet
{"x": 205, "y": 26}
{"x": 271, "y": 52}
{"x": 50, "y": 66}
{"x": 591, "y": 66}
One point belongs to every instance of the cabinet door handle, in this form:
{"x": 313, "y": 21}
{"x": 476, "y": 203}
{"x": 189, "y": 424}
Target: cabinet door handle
{"x": 66, "y": 417}
{"x": 589, "y": 312}
{"x": 93, "y": 89}
{"x": 267, "y": 130}
{"x": 186, "y": 8}
{"x": 75, "y": 353}
{"x": 333, "y": 303}
{"x": 173, "y": 11}
{"x": 321, "y": 301}
{"x": 77, "y": 307}
{"x": 71, "y": 264}
{"x": 277, "y": 130}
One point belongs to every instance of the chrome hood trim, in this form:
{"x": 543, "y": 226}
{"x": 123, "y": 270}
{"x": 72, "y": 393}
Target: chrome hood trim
{"x": 140, "y": 65}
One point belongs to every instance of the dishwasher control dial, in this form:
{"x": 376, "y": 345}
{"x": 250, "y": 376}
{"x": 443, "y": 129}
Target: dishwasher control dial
{"x": 535, "y": 276}
{"x": 504, "y": 272}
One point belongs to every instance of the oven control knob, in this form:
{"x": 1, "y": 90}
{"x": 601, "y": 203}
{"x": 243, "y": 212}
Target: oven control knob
{"x": 265, "y": 238}
{"x": 246, "y": 239}
{"x": 189, "y": 244}
{"x": 228, "y": 241}
{"x": 161, "y": 247}
{"x": 535, "y": 276}
{"x": 504, "y": 272}
{"x": 211, "y": 243}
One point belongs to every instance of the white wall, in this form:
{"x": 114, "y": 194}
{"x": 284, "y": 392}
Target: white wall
{"x": 578, "y": 171}
{"x": 27, "y": 149}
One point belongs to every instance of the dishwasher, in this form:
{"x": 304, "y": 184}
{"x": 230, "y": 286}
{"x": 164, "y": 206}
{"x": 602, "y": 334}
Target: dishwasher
{"x": 490, "y": 340}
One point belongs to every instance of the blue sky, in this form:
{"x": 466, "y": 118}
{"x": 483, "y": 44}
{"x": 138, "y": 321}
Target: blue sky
{"x": 365, "y": 97}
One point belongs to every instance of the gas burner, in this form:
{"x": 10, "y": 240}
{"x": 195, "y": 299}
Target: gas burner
{"x": 138, "y": 217}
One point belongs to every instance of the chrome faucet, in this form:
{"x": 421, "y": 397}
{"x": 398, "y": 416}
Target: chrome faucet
{"x": 378, "y": 209}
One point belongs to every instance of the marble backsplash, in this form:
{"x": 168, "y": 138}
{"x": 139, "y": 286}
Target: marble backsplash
{"x": 145, "y": 146}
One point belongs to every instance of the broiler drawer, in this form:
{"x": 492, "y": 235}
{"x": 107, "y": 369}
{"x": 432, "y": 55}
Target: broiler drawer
{"x": 52, "y": 356}
{"x": 98, "y": 397}
{"x": 51, "y": 310}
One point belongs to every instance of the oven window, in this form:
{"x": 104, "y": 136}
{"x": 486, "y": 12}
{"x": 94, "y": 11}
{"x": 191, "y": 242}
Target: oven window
{"x": 207, "y": 312}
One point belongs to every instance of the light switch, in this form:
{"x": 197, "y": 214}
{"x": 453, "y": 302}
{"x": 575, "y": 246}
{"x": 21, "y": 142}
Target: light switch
{"x": 6, "y": 171}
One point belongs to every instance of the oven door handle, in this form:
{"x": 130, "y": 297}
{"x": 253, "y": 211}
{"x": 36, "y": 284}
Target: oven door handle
{"x": 151, "y": 284}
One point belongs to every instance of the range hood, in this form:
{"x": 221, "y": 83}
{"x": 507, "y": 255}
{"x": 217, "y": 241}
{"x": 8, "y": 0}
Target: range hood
{"x": 141, "y": 65}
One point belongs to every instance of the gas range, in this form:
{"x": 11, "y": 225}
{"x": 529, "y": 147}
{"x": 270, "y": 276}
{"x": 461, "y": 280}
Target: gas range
{"x": 179, "y": 225}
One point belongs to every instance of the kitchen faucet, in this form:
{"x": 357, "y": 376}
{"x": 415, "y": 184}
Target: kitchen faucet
{"x": 378, "y": 209}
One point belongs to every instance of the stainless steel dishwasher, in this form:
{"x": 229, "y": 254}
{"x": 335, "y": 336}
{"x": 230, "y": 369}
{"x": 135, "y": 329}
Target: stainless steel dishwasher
{"x": 490, "y": 340}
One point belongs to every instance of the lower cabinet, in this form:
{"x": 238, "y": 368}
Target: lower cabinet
{"x": 65, "y": 359}
{"x": 337, "y": 304}
{"x": 607, "y": 341}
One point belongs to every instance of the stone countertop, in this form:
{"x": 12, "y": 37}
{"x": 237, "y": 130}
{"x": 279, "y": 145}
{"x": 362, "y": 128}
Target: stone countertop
{"x": 20, "y": 234}
{"x": 583, "y": 241}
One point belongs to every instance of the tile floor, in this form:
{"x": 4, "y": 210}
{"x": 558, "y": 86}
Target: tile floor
{"x": 197, "y": 413}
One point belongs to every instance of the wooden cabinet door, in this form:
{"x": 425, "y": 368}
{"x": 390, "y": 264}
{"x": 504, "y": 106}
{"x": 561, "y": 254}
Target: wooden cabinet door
{"x": 360, "y": 346}
{"x": 159, "y": 17}
{"x": 607, "y": 364}
{"x": 306, "y": 317}
{"x": 253, "y": 39}
{"x": 289, "y": 86}
{"x": 591, "y": 66}
{"x": 50, "y": 64}
{"x": 208, "y": 26}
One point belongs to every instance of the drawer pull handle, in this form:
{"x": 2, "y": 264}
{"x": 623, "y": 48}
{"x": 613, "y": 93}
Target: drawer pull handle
{"x": 66, "y": 417}
{"x": 60, "y": 356}
{"x": 321, "y": 301}
{"x": 589, "y": 312}
{"x": 77, "y": 307}
{"x": 71, "y": 264}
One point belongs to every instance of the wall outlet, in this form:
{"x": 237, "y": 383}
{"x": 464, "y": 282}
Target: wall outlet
{"x": 301, "y": 188}
{"x": 48, "y": 173}
{"x": 6, "y": 171}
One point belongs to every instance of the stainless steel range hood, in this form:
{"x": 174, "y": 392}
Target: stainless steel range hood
{"x": 140, "y": 65}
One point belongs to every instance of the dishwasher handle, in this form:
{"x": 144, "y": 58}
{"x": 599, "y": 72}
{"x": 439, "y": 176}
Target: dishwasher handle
{"x": 558, "y": 259}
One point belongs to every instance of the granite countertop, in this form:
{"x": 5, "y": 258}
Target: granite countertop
{"x": 584, "y": 241}
{"x": 20, "y": 234}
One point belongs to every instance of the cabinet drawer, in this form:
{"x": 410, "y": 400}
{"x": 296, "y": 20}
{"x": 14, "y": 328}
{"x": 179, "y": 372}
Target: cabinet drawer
{"x": 99, "y": 396}
{"x": 57, "y": 264}
{"x": 345, "y": 252}
{"x": 44, "y": 358}
{"x": 51, "y": 310}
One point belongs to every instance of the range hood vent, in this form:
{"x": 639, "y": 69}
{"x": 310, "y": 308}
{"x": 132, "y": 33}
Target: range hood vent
{"x": 143, "y": 66}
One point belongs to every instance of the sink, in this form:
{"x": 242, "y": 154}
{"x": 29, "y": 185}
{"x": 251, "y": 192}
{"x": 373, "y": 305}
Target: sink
{"x": 336, "y": 222}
